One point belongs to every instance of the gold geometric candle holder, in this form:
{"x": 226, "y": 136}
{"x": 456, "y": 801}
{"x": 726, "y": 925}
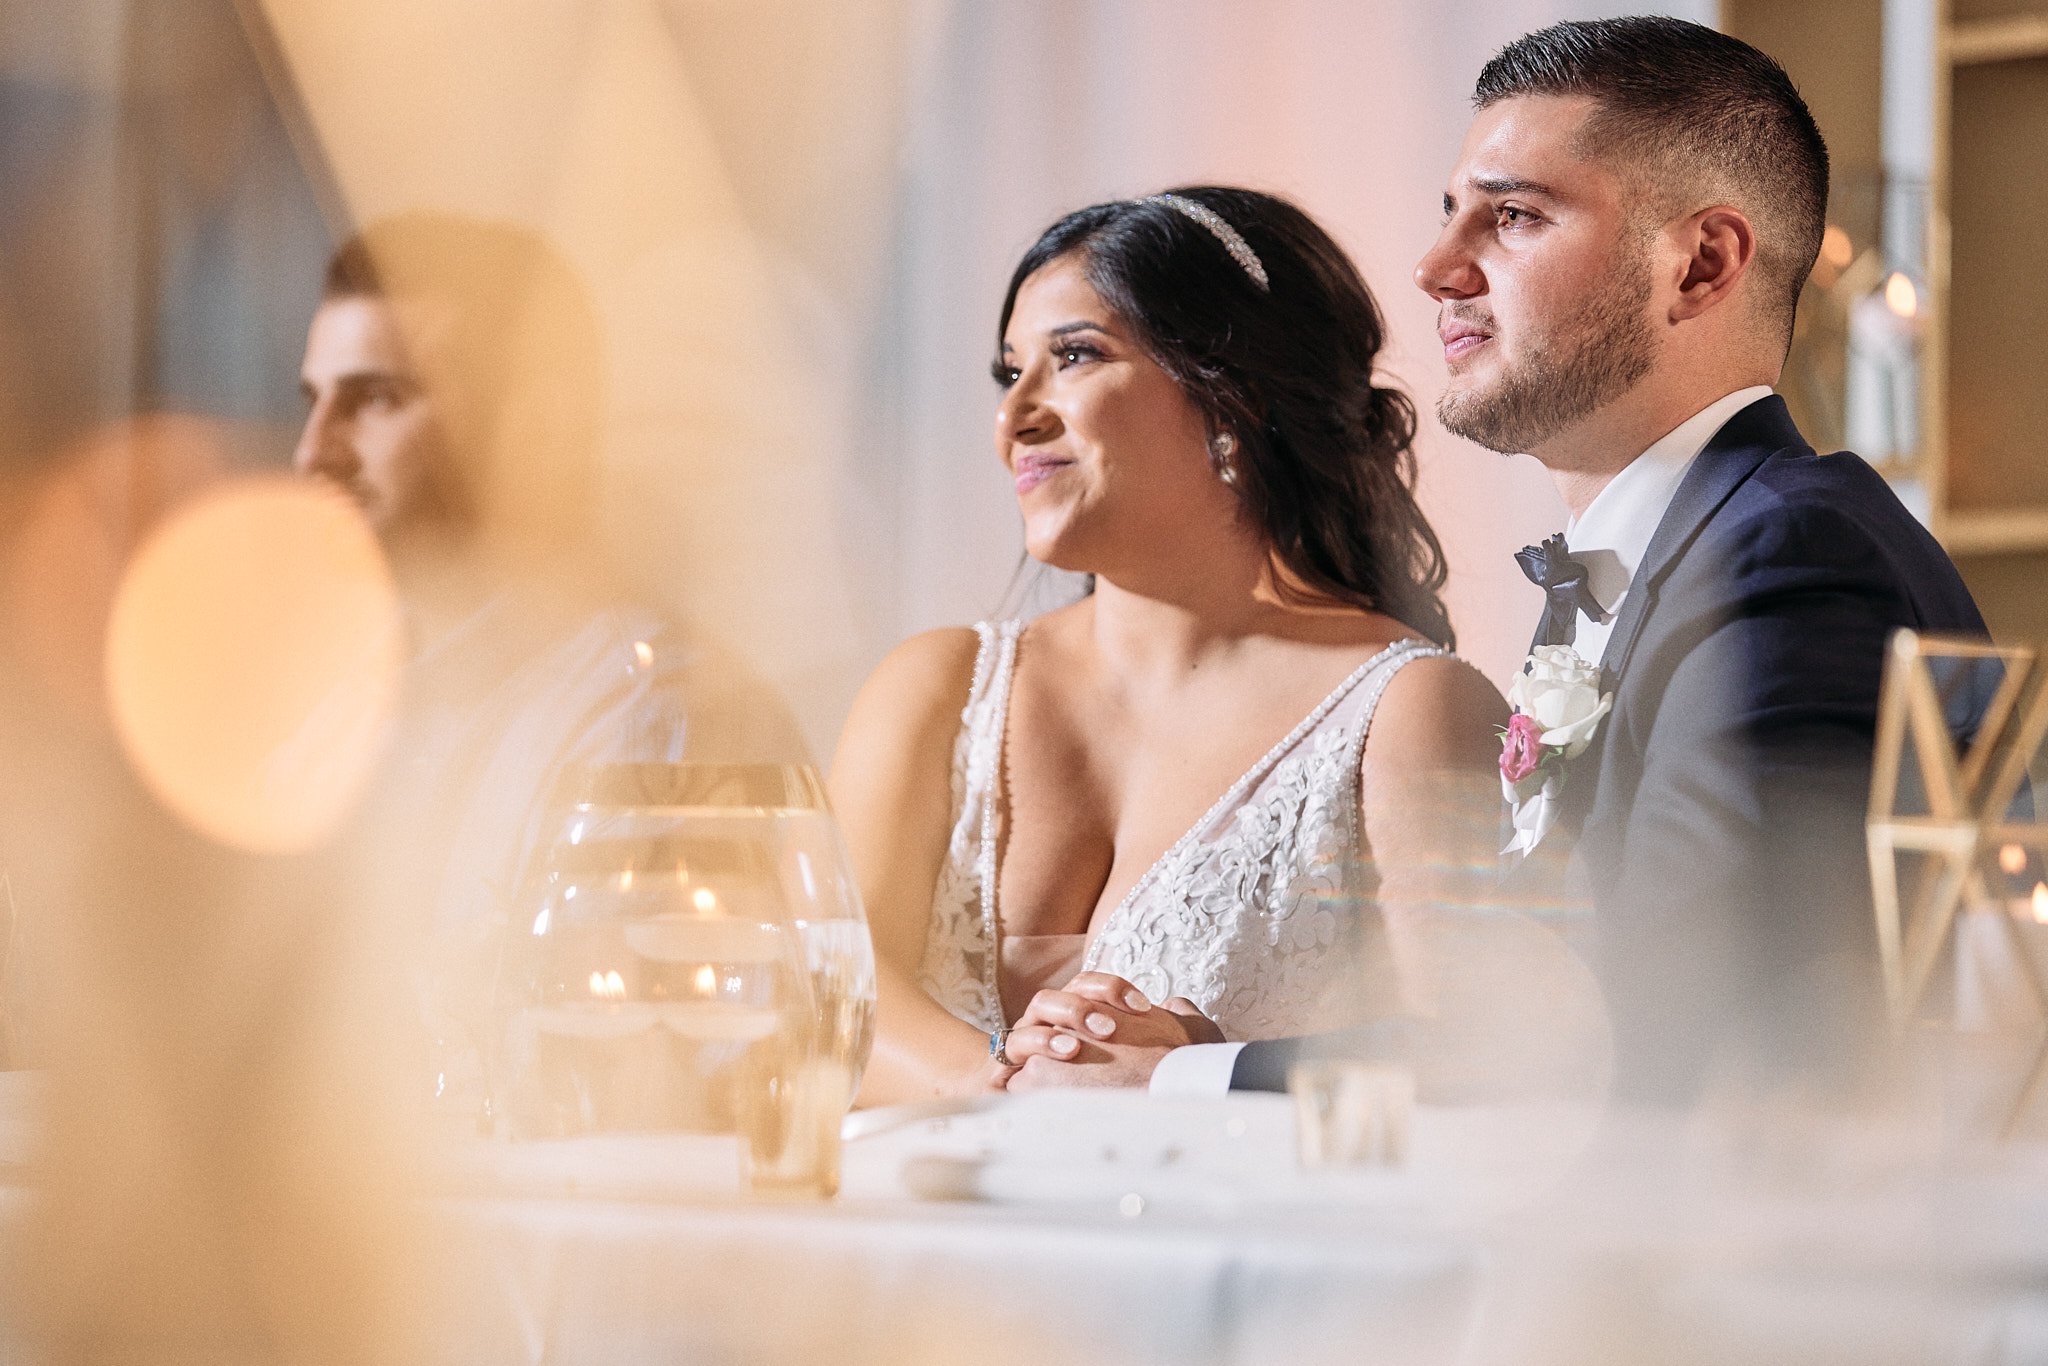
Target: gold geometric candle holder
{"x": 1955, "y": 825}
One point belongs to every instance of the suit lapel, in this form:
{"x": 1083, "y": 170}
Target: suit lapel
{"x": 1744, "y": 442}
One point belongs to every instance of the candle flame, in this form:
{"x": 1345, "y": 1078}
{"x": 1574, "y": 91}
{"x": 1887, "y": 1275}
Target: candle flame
{"x": 614, "y": 985}
{"x": 1900, "y": 296}
{"x": 704, "y": 900}
{"x": 626, "y": 880}
{"x": 2012, "y": 860}
{"x": 597, "y": 984}
{"x": 707, "y": 980}
{"x": 643, "y": 652}
{"x": 2041, "y": 903}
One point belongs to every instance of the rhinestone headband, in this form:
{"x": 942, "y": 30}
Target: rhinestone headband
{"x": 1233, "y": 242}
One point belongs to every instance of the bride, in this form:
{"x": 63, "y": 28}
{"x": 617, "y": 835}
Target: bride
{"x": 1212, "y": 776}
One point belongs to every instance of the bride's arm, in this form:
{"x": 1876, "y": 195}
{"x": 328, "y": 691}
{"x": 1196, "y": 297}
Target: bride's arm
{"x": 1429, "y": 802}
{"x": 891, "y": 789}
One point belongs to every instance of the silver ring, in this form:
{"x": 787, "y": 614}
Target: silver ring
{"x": 996, "y": 1039}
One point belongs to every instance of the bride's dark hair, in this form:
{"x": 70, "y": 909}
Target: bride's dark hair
{"x": 1325, "y": 462}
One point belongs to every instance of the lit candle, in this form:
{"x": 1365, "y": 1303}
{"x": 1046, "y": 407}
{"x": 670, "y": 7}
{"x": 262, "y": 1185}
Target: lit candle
{"x": 2031, "y": 909}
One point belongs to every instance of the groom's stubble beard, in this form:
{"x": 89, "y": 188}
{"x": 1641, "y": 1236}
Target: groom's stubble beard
{"x": 1572, "y": 368}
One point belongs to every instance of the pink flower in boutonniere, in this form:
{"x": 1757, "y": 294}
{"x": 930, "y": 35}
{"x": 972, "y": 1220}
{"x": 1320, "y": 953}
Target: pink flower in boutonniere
{"x": 1521, "y": 748}
{"x": 1558, "y": 707}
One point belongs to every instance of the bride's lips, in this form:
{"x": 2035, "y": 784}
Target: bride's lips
{"x": 1033, "y": 470}
{"x": 1461, "y": 339}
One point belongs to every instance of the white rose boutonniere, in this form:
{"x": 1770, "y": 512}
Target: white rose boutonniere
{"x": 1558, "y": 707}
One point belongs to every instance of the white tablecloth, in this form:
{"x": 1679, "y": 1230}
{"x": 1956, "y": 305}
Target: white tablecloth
{"x": 1115, "y": 1231}
{"x": 1511, "y": 1237}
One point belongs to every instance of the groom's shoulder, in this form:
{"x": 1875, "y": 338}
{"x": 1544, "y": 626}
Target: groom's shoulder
{"x": 1797, "y": 475}
{"x": 1805, "y": 506}
{"x": 1809, "y": 531}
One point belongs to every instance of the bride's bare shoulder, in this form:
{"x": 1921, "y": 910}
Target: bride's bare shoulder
{"x": 928, "y": 674}
{"x": 1439, "y": 711}
{"x": 897, "y": 742}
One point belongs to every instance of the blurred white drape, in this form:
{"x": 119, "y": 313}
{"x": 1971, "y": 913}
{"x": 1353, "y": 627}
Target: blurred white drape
{"x": 722, "y": 176}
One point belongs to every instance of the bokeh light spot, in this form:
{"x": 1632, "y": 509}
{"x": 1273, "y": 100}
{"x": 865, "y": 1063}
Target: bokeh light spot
{"x": 253, "y": 656}
{"x": 1900, "y": 296}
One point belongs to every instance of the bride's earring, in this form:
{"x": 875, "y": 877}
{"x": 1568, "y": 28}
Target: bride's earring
{"x": 1222, "y": 447}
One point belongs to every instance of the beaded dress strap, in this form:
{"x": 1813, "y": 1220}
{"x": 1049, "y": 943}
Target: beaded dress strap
{"x": 995, "y": 662}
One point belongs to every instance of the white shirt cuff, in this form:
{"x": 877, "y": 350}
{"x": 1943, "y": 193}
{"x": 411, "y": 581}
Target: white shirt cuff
{"x": 1195, "y": 1070}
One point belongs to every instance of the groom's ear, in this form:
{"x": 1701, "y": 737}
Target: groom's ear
{"x": 1719, "y": 247}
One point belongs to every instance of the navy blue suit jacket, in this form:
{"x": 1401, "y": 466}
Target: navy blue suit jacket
{"x": 1717, "y": 816}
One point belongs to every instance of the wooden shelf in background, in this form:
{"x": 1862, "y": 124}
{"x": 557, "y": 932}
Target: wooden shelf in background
{"x": 2021, "y": 36}
{"x": 1972, "y": 532}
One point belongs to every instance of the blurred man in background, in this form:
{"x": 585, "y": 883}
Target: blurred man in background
{"x": 455, "y": 386}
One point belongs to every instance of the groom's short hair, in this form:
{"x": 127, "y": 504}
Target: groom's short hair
{"x": 1683, "y": 110}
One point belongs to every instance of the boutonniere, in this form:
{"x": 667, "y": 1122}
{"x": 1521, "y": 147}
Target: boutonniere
{"x": 1558, "y": 706}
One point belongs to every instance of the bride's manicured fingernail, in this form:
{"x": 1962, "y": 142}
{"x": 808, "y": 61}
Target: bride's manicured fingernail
{"x": 1135, "y": 999}
{"x": 1063, "y": 1045}
{"x": 1101, "y": 1024}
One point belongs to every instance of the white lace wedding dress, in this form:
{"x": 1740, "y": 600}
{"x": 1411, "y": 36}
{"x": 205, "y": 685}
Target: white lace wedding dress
{"x": 1258, "y": 914}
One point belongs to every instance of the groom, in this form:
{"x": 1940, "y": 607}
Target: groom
{"x": 1636, "y": 207}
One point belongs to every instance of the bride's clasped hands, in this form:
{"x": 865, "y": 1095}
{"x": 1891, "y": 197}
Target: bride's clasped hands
{"x": 1097, "y": 1030}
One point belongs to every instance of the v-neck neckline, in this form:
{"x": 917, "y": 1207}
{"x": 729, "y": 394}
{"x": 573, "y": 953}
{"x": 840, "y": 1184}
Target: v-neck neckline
{"x": 1194, "y": 832}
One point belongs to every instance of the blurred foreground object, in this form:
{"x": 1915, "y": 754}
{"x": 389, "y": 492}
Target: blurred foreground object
{"x": 1955, "y": 835}
{"x": 218, "y": 1163}
{"x": 1350, "y": 1113}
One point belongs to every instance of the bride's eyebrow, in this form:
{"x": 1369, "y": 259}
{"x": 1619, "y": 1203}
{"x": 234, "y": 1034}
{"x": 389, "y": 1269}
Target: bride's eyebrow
{"x": 1065, "y": 330}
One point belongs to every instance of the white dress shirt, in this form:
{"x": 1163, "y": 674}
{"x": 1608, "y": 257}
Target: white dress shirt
{"x": 1609, "y": 538}
{"x": 1198, "y": 1069}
